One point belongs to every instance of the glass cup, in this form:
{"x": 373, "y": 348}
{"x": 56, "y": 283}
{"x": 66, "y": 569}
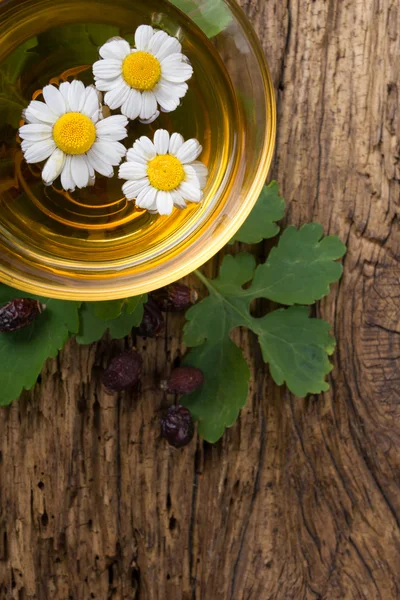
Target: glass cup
{"x": 60, "y": 271}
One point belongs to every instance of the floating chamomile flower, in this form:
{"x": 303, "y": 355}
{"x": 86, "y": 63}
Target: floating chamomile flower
{"x": 164, "y": 173}
{"x": 141, "y": 79}
{"x": 68, "y": 129}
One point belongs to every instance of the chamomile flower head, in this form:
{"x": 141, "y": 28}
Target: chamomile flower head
{"x": 140, "y": 80}
{"x": 68, "y": 130}
{"x": 164, "y": 173}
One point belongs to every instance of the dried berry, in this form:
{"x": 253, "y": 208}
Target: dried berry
{"x": 123, "y": 372}
{"x": 153, "y": 321}
{"x": 177, "y": 426}
{"x": 175, "y": 297}
{"x": 184, "y": 380}
{"x": 19, "y": 313}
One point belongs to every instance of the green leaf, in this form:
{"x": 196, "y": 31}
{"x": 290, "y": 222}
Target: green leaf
{"x": 108, "y": 310}
{"x": 13, "y": 65}
{"x": 301, "y": 268}
{"x": 215, "y": 316}
{"x": 296, "y": 346}
{"x": 211, "y": 17}
{"x": 73, "y": 42}
{"x": 93, "y": 323}
{"x": 99, "y": 34}
{"x": 91, "y": 327}
{"x": 261, "y": 224}
{"x": 23, "y": 353}
{"x": 224, "y": 393}
{"x": 135, "y": 305}
{"x": 12, "y": 102}
{"x": 11, "y": 107}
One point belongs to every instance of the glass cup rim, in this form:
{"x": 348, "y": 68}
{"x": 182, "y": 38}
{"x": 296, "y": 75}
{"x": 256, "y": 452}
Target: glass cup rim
{"x": 89, "y": 293}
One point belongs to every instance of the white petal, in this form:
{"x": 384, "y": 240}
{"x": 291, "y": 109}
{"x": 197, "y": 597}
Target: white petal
{"x": 175, "y": 70}
{"x": 66, "y": 178}
{"x": 177, "y": 140}
{"x": 115, "y": 48}
{"x": 91, "y": 107}
{"x": 108, "y": 68}
{"x": 26, "y": 144}
{"x": 200, "y": 168}
{"x": 53, "y": 166}
{"x": 143, "y": 35}
{"x": 198, "y": 173}
{"x": 80, "y": 171}
{"x": 177, "y": 76}
{"x": 175, "y": 90}
{"x": 76, "y": 96}
{"x": 132, "y": 171}
{"x": 158, "y": 39}
{"x": 161, "y": 141}
{"x": 40, "y": 151}
{"x": 175, "y": 59}
{"x": 35, "y": 132}
{"x": 191, "y": 175}
{"x": 146, "y": 198}
{"x": 136, "y": 157}
{"x": 178, "y": 199}
{"x": 189, "y": 152}
{"x": 169, "y": 46}
{"x": 91, "y": 170}
{"x": 99, "y": 164}
{"x": 132, "y": 188}
{"x": 64, "y": 91}
{"x": 106, "y": 85}
{"x": 152, "y": 118}
{"x": 112, "y": 128}
{"x": 110, "y": 152}
{"x": 54, "y": 100}
{"x": 30, "y": 118}
{"x": 115, "y": 135}
{"x": 112, "y": 123}
{"x": 190, "y": 191}
{"x": 145, "y": 146}
{"x": 40, "y": 112}
{"x": 132, "y": 105}
{"x": 119, "y": 148}
{"x": 165, "y": 203}
{"x": 117, "y": 96}
{"x": 149, "y": 105}
{"x": 167, "y": 97}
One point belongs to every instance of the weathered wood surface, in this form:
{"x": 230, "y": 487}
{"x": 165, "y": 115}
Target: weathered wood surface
{"x": 301, "y": 498}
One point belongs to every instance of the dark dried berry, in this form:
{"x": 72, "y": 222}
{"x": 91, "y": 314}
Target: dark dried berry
{"x": 177, "y": 426}
{"x": 175, "y": 297}
{"x": 19, "y": 313}
{"x": 123, "y": 372}
{"x": 184, "y": 380}
{"x": 153, "y": 321}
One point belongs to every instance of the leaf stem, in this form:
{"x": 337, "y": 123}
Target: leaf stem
{"x": 202, "y": 278}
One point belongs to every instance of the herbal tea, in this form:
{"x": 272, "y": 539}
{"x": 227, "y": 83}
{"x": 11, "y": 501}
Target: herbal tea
{"x": 50, "y": 41}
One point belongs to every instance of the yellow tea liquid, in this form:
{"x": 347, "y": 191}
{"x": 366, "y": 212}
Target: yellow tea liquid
{"x": 44, "y": 41}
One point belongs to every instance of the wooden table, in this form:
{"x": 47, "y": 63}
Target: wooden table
{"x": 300, "y": 500}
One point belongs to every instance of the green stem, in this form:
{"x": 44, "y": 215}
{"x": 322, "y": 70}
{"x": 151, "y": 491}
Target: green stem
{"x": 203, "y": 278}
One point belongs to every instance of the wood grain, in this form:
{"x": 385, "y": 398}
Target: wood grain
{"x": 300, "y": 500}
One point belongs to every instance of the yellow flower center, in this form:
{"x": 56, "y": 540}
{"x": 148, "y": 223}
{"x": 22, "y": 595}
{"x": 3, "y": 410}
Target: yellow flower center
{"x": 141, "y": 70}
{"x": 74, "y": 133}
{"x": 165, "y": 172}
